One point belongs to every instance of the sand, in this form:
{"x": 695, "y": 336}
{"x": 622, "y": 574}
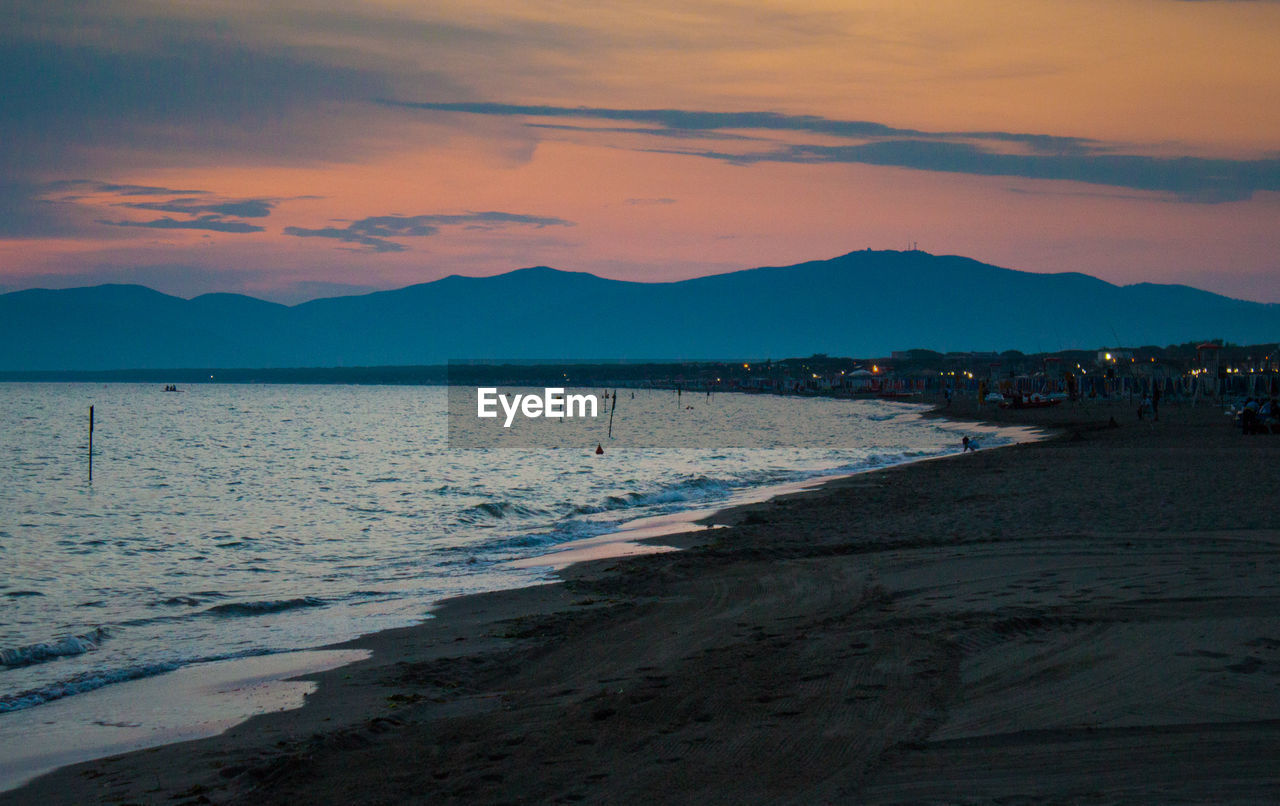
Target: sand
{"x": 1090, "y": 619}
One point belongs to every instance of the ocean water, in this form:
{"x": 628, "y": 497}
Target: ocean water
{"x": 230, "y": 521}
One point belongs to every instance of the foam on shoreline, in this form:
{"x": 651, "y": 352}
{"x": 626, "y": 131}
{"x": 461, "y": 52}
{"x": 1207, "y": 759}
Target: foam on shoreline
{"x": 644, "y": 535}
{"x": 192, "y": 702}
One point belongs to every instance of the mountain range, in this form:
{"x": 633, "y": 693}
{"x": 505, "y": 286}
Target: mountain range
{"x": 864, "y": 303}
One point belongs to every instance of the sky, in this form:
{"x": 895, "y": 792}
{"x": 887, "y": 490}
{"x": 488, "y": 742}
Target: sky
{"x": 293, "y": 150}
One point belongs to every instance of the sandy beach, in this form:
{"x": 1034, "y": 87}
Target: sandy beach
{"x": 1094, "y": 618}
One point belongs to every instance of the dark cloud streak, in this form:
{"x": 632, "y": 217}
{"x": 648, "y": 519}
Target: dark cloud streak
{"x": 242, "y": 208}
{"x": 680, "y": 120}
{"x": 677, "y": 134}
{"x": 1189, "y": 178}
{"x": 94, "y": 186}
{"x": 977, "y": 153}
{"x": 375, "y": 232}
{"x": 211, "y": 222}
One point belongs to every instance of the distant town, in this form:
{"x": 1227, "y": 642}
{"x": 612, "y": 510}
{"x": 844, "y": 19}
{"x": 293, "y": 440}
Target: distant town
{"x": 1211, "y": 368}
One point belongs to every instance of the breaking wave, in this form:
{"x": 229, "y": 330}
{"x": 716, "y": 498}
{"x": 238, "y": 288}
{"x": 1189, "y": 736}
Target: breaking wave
{"x": 49, "y": 650}
{"x": 264, "y": 607}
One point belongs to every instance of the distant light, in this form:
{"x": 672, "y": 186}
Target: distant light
{"x": 1107, "y": 356}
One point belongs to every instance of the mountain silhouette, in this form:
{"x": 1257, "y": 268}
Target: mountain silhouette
{"x": 862, "y": 304}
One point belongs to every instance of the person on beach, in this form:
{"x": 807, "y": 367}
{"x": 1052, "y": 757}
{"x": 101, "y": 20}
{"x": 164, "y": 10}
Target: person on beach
{"x": 1268, "y": 416}
{"x": 1155, "y": 402}
{"x": 1249, "y": 416}
{"x": 969, "y": 445}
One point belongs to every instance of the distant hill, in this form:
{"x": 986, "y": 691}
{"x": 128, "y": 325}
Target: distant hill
{"x": 864, "y": 304}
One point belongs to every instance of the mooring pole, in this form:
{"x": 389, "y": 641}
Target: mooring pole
{"x": 611, "y": 411}
{"x": 91, "y": 444}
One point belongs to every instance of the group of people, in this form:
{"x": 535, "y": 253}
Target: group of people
{"x": 1150, "y": 404}
{"x": 1260, "y": 416}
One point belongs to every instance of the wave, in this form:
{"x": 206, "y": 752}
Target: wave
{"x": 563, "y": 532}
{"x": 264, "y": 607}
{"x": 63, "y": 647}
{"x": 79, "y": 684}
{"x": 89, "y": 681}
{"x": 692, "y": 488}
{"x": 669, "y": 497}
{"x": 175, "y": 601}
{"x": 498, "y": 510}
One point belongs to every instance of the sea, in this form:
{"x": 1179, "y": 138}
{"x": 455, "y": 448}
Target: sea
{"x": 234, "y": 521}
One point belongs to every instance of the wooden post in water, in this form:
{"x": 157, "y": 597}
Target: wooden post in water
{"x": 91, "y": 444}
{"x": 611, "y": 411}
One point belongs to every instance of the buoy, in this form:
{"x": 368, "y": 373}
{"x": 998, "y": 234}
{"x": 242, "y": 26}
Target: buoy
{"x": 599, "y": 449}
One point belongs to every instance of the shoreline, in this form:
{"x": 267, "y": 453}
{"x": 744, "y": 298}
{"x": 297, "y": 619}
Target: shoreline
{"x": 626, "y": 537}
{"x": 681, "y": 528}
{"x": 191, "y": 702}
{"x": 486, "y": 655}
{"x": 644, "y": 535}
{"x": 672, "y": 531}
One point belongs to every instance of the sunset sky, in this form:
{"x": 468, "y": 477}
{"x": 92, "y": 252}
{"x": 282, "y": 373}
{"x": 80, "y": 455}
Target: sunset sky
{"x": 291, "y": 150}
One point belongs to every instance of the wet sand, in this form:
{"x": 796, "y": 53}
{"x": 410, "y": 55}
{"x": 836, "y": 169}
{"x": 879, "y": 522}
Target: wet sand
{"x": 193, "y": 702}
{"x": 1090, "y": 619}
